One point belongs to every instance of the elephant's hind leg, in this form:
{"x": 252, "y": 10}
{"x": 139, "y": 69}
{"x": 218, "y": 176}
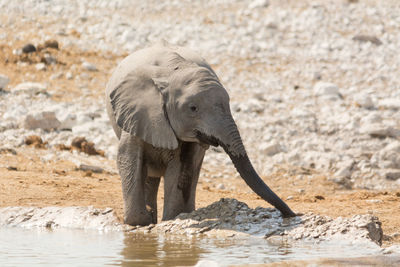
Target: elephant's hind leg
{"x": 133, "y": 175}
{"x": 151, "y": 190}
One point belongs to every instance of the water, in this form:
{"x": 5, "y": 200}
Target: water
{"x": 66, "y": 247}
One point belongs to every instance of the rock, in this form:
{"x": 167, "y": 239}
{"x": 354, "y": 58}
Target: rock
{"x": 29, "y": 87}
{"x": 380, "y": 131}
{"x": 258, "y": 3}
{"x": 40, "y": 66}
{"x": 392, "y": 175}
{"x": 367, "y": 38}
{"x": 83, "y": 145}
{"x": 324, "y": 88}
{"x": 51, "y": 44}
{"x": 220, "y": 186}
{"x": 54, "y": 217}
{"x": 68, "y": 122}
{"x": 364, "y": 101}
{"x": 207, "y": 263}
{"x": 90, "y": 168}
{"x": 28, "y": 48}
{"x": 36, "y": 141}
{"x": 388, "y": 157}
{"x": 69, "y": 75}
{"x": 8, "y": 150}
{"x": 89, "y": 66}
{"x": 44, "y": 120}
{"x": 390, "y": 103}
{"x": 49, "y": 59}
{"x": 271, "y": 149}
{"x": 4, "y": 80}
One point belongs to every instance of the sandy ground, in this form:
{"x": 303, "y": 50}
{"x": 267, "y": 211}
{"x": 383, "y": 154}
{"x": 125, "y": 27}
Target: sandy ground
{"x": 26, "y": 181}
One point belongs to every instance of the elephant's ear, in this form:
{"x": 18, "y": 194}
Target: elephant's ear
{"x": 138, "y": 107}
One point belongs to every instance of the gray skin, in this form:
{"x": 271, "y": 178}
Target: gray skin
{"x": 167, "y": 106}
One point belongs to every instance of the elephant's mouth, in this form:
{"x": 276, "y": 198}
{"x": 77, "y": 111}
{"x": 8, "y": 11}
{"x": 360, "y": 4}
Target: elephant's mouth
{"x": 206, "y": 139}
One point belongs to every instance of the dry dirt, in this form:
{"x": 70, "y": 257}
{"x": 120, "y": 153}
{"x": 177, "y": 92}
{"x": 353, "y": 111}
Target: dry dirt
{"x": 26, "y": 181}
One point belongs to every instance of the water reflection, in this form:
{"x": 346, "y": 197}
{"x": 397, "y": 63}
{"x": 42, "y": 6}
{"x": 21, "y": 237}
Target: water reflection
{"x": 149, "y": 250}
{"x": 66, "y": 247}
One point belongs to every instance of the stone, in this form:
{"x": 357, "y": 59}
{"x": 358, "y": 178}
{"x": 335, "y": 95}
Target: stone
{"x": 258, "y": 4}
{"x": 364, "y": 101}
{"x": 49, "y": 59}
{"x": 271, "y": 149}
{"x": 220, "y": 186}
{"x": 29, "y": 87}
{"x": 89, "y": 66}
{"x": 367, "y": 38}
{"x": 51, "y": 44}
{"x": 43, "y": 120}
{"x": 379, "y": 130}
{"x": 69, "y": 75}
{"x": 392, "y": 175}
{"x": 90, "y": 168}
{"x": 40, "y": 66}
{"x": 390, "y": 103}
{"x": 4, "y": 80}
{"x": 324, "y": 88}
{"x": 28, "y": 48}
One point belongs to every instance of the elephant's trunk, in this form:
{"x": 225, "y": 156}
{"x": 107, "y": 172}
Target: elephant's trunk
{"x": 234, "y": 147}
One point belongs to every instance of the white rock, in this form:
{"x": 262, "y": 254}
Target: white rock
{"x": 258, "y": 3}
{"x": 69, "y": 75}
{"x": 379, "y": 130}
{"x": 4, "y": 80}
{"x": 221, "y": 186}
{"x": 89, "y": 66}
{"x": 364, "y": 101}
{"x": 29, "y": 87}
{"x": 43, "y": 120}
{"x": 271, "y": 149}
{"x": 390, "y": 103}
{"x": 68, "y": 123}
{"x": 207, "y": 263}
{"x": 40, "y": 66}
{"x": 324, "y": 88}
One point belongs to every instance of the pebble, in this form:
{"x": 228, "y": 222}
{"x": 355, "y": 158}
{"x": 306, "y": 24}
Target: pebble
{"x": 28, "y": 48}
{"x": 220, "y": 186}
{"x": 95, "y": 169}
{"x": 69, "y": 75}
{"x": 29, "y": 87}
{"x": 4, "y": 80}
{"x": 43, "y": 120}
{"x": 324, "y": 88}
{"x": 40, "y": 66}
{"x": 367, "y": 38}
{"x": 89, "y": 66}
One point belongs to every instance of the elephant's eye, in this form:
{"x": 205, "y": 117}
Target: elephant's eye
{"x": 193, "y": 108}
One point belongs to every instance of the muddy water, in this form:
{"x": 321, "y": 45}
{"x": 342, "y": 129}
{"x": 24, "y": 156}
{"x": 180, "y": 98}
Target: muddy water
{"x": 66, "y": 247}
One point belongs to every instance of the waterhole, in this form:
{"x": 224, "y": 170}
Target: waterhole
{"x": 67, "y": 247}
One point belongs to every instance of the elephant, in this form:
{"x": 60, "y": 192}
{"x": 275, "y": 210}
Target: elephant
{"x": 167, "y": 106}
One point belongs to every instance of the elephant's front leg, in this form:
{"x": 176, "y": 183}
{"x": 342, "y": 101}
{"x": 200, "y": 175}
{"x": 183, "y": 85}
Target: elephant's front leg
{"x": 180, "y": 180}
{"x": 133, "y": 174}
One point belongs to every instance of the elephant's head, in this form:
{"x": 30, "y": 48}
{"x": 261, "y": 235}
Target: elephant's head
{"x": 185, "y": 101}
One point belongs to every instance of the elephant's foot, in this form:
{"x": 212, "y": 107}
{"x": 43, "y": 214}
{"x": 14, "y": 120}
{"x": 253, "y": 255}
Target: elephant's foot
{"x": 139, "y": 218}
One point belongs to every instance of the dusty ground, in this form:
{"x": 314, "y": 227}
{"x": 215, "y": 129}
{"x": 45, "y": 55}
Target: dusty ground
{"x": 26, "y": 181}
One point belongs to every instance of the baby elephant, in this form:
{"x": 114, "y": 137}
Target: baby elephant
{"x": 167, "y": 106}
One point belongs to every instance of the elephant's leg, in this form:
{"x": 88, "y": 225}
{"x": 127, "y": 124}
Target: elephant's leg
{"x": 180, "y": 180}
{"x": 133, "y": 174}
{"x": 151, "y": 189}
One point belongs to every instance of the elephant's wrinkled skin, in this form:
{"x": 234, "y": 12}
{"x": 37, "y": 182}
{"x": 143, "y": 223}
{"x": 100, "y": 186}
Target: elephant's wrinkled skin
{"x": 167, "y": 106}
